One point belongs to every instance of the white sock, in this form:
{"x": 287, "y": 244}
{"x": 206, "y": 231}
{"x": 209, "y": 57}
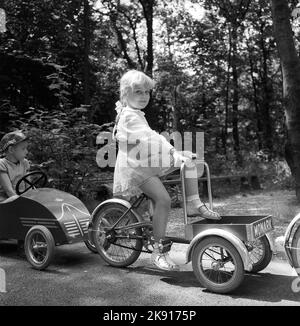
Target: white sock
{"x": 195, "y": 201}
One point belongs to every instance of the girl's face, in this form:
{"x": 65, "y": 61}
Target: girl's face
{"x": 138, "y": 97}
{"x": 19, "y": 151}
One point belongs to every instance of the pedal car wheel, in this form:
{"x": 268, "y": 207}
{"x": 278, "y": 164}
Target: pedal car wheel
{"x": 117, "y": 247}
{"x": 296, "y": 248}
{"x": 217, "y": 265}
{"x": 260, "y": 253}
{"x": 91, "y": 246}
{"x": 39, "y": 247}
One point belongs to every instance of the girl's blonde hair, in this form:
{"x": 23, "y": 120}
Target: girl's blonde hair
{"x": 134, "y": 78}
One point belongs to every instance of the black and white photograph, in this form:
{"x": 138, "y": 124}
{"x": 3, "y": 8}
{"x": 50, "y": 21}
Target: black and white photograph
{"x": 149, "y": 156}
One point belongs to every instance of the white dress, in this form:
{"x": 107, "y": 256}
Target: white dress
{"x": 143, "y": 153}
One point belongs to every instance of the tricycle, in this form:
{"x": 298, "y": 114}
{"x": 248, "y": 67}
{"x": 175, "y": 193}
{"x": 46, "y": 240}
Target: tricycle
{"x": 221, "y": 251}
{"x": 43, "y": 218}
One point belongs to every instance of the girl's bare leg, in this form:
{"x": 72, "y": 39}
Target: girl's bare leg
{"x": 155, "y": 189}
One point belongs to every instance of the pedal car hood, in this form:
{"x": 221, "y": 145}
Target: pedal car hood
{"x": 68, "y": 210}
{"x": 56, "y": 201}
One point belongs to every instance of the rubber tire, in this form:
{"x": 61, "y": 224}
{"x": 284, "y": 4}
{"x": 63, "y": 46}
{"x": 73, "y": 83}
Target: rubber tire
{"x": 237, "y": 279}
{"x": 139, "y": 243}
{"x": 296, "y": 244}
{"x": 42, "y": 230}
{"x": 91, "y": 246}
{"x": 264, "y": 262}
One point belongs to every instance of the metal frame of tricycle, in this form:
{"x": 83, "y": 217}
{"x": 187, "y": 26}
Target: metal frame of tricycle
{"x": 234, "y": 233}
{"x": 197, "y": 230}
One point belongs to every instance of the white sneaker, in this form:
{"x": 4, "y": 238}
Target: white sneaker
{"x": 163, "y": 261}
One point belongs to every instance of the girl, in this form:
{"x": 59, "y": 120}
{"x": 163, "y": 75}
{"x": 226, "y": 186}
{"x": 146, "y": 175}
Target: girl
{"x": 144, "y": 156}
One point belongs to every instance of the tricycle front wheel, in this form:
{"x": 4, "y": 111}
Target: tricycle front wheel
{"x": 39, "y": 247}
{"x": 89, "y": 244}
{"x": 119, "y": 246}
{"x": 217, "y": 265}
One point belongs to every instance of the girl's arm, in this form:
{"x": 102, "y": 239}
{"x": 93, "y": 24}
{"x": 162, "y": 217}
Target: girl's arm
{"x": 135, "y": 128}
{"x": 6, "y": 184}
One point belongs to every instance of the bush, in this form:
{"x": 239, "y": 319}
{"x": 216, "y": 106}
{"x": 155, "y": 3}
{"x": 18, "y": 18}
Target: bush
{"x": 63, "y": 144}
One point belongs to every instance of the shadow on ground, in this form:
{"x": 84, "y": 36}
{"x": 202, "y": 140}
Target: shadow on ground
{"x": 261, "y": 286}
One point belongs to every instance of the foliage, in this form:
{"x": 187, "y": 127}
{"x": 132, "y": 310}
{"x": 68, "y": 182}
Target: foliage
{"x": 63, "y": 145}
{"x": 215, "y": 64}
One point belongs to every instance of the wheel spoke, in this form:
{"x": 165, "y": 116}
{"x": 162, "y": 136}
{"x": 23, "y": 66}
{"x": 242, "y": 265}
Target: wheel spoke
{"x": 257, "y": 252}
{"x": 117, "y": 245}
{"x": 215, "y": 263}
{"x": 38, "y": 247}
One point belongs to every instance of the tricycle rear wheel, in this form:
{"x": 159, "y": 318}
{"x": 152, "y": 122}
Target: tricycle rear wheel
{"x": 217, "y": 265}
{"x": 39, "y": 247}
{"x": 260, "y": 254}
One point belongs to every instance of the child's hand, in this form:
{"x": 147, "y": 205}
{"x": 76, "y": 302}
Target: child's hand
{"x": 189, "y": 154}
{"x": 183, "y": 157}
{"x": 179, "y": 158}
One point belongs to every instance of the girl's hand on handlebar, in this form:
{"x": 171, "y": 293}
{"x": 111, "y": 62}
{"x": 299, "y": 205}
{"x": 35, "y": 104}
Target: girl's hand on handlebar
{"x": 189, "y": 155}
{"x": 182, "y": 157}
{"x": 178, "y": 158}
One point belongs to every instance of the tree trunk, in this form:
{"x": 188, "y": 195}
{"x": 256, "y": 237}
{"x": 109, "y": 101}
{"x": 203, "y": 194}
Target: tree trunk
{"x": 86, "y": 68}
{"x": 290, "y": 64}
{"x": 235, "y": 98}
{"x": 225, "y": 132}
{"x": 133, "y": 26}
{"x": 259, "y": 127}
{"x": 148, "y": 6}
{"x": 266, "y": 94}
{"x": 121, "y": 42}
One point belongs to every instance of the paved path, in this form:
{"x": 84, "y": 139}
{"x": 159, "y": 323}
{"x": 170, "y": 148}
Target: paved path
{"x": 78, "y": 277}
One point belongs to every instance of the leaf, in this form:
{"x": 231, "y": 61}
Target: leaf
{"x": 81, "y": 110}
{"x": 54, "y": 86}
{"x": 296, "y": 13}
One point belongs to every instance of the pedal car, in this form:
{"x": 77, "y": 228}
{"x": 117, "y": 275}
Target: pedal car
{"x": 43, "y": 218}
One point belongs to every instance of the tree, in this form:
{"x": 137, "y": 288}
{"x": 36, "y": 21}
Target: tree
{"x": 87, "y": 41}
{"x": 290, "y": 64}
{"x": 148, "y": 6}
{"x": 234, "y": 13}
